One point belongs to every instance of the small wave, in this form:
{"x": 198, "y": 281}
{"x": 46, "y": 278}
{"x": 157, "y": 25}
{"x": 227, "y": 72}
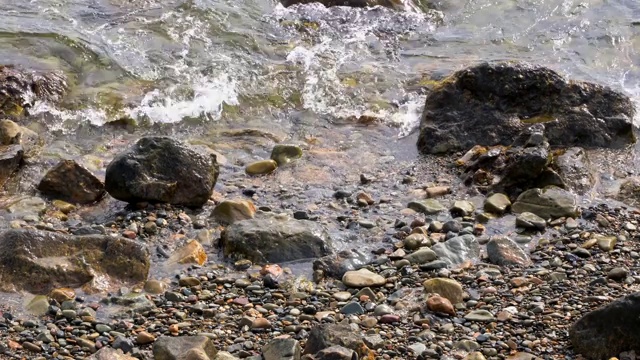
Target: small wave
{"x": 207, "y": 100}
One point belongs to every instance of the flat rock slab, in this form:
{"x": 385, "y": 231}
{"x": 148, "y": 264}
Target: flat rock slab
{"x": 274, "y": 240}
{"x": 549, "y": 203}
{"x": 504, "y": 251}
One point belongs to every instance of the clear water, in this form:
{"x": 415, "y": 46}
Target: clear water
{"x": 166, "y": 61}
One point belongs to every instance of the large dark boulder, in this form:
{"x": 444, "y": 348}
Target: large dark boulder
{"x": 162, "y": 169}
{"x": 608, "y": 331}
{"x": 491, "y": 103}
{"x": 274, "y": 240}
{"x": 39, "y": 261}
{"x": 70, "y": 181}
{"x": 19, "y": 89}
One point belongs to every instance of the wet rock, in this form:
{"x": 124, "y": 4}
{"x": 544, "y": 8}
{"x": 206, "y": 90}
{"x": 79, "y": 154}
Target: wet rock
{"x": 284, "y": 154}
{"x": 437, "y": 191}
{"x": 421, "y": 256}
{"x": 144, "y": 338}
{"x": 162, "y": 169}
{"x": 398, "y": 5}
{"x": 447, "y": 288}
{"x": 326, "y": 335}
{"x": 629, "y": 192}
{"x": 282, "y": 349}
{"x": 550, "y": 202}
{"x": 178, "y": 348}
{"x": 428, "y": 206}
{"x": 529, "y": 220}
{"x": 457, "y": 250}
{"x": 336, "y": 353}
{"x": 39, "y": 261}
{"x": 107, "y": 353}
{"x": 262, "y": 167}
{"x": 363, "y": 278}
{"x": 609, "y": 330}
{"x": 497, "y": 203}
{"x": 190, "y": 253}
{"x": 347, "y": 260}
{"x": 10, "y": 161}
{"x": 231, "y": 211}
{"x": 440, "y": 304}
{"x": 155, "y": 287}
{"x": 490, "y": 104}
{"x": 415, "y": 241}
{"x": 69, "y": 181}
{"x": 274, "y": 240}
{"x": 480, "y": 316}
{"x": 19, "y": 89}
{"x": 504, "y": 251}
{"x": 14, "y": 134}
{"x": 62, "y": 294}
{"x": 606, "y": 242}
{"x": 462, "y": 208}
{"x": 574, "y": 167}
{"x": 38, "y": 306}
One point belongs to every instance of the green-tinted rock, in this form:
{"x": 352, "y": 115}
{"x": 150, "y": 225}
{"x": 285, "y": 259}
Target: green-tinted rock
{"x": 428, "y": 206}
{"x": 529, "y": 220}
{"x": 550, "y": 202}
{"x": 497, "y": 203}
{"x": 38, "y": 306}
{"x": 261, "y": 167}
{"x": 421, "y": 256}
{"x": 447, "y": 288}
{"x": 606, "y": 242}
{"x": 230, "y": 211}
{"x": 28, "y": 205}
{"x": 284, "y": 154}
{"x": 462, "y": 208}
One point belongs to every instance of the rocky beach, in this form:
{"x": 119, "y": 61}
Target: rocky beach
{"x": 502, "y": 224}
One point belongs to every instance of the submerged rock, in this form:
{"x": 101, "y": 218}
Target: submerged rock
{"x": 284, "y": 154}
{"x": 574, "y": 167}
{"x": 337, "y": 265}
{"x": 10, "y": 161}
{"x": 162, "y": 169}
{"x": 14, "y": 134}
{"x": 550, "y": 202}
{"x": 19, "y": 89}
{"x": 394, "y": 4}
{"x": 39, "y": 261}
{"x": 629, "y": 192}
{"x": 184, "y": 347}
{"x": 609, "y": 330}
{"x": 261, "y": 167}
{"x": 491, "y": 103}
{"x": 457, "y": 250}
{"x": 529, "y": 220}
{"x": 190, "y": 253}
{"x": 274, "y": 240}
{"x": 497, "y": 203}
{"x": 231, "y": 211}
{"x": 69, "y": 181}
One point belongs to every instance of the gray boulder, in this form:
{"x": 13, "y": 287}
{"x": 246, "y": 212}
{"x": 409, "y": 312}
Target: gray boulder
{"x": 274, "y": 240}
{"x": 184, "y": 347}
{"x": 39, "y": 261}
{"x": 69, "y": 181}
{"x": 162, "y": 169}
{"x": 550, "y": 202}
{"x": 457, "y": 250}
{"x": 491, "y": 103}
{"x": 609, "y": 330}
